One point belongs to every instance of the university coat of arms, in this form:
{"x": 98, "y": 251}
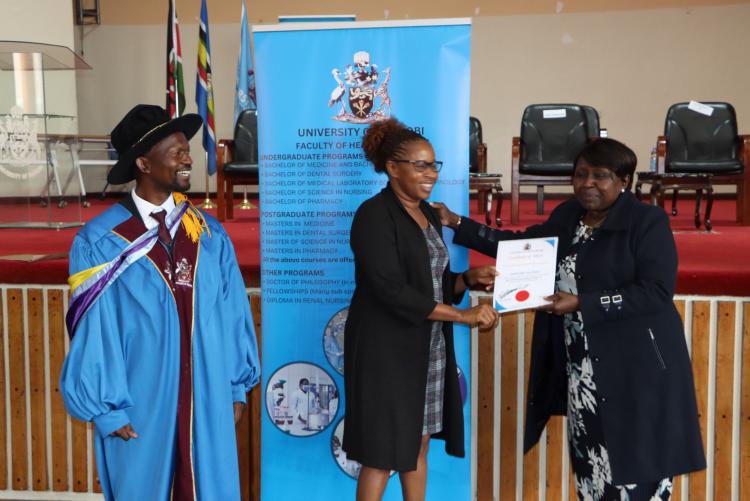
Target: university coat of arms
{"x": 367, "y": 97}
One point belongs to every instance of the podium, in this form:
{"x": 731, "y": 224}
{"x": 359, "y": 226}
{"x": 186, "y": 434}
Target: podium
{"x": 38, "y": 130}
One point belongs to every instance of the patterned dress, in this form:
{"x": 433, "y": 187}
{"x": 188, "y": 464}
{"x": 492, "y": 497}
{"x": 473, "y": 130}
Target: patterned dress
{"x": 588, "y": 449}
{"x": 433, "y": 402}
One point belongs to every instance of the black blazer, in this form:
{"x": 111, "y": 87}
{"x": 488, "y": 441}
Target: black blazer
{"x": 387, "y": 339}
{"x": 625, "y": 277}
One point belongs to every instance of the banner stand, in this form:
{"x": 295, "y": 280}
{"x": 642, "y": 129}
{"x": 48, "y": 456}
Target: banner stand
{"x": 319, "y": 86}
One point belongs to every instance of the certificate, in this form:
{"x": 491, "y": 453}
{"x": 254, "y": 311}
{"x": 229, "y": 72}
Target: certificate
{"x": 527, "y": 273}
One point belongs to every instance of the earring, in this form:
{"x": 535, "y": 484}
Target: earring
{"x": 622, "y": 190}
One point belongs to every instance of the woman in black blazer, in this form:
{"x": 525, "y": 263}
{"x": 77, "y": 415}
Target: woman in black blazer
{"x": 400, "y": 371}
{"x": 609, "y": 351}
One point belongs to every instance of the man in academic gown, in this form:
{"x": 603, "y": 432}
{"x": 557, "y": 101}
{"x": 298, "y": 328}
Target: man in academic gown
{"x": 163, "y": 348}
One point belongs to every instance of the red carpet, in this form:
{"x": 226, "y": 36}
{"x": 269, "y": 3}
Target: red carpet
{"x": 716, "y": 263}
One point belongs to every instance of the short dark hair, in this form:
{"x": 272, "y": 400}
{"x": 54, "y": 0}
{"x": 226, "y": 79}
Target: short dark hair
{"x": 304, "y": 380}
{"x": 385, "y": 140}
{"x": 611, "y": 154}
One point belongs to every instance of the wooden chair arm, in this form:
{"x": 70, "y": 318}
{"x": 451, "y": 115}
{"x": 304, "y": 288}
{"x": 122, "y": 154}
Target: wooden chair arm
{"x": 744, "y": 153}
{"x": 515, "y": 157}
{"x": 515, "y": 181}
{"x": 661, "y": 154}
{"x": 516, "y": 151}
{"x": 224, "y": 152}
{"x": 743, "y": 186}
{"x": 482, "y": 157}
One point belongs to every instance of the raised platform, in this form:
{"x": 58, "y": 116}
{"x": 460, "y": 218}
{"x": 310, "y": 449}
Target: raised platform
{"x": 711, "y": 263}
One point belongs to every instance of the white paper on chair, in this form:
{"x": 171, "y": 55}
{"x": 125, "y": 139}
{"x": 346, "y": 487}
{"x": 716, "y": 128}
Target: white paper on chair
{"x": 527, "y": 273}
{"x": 558, "y": 113}
{"x": 701, "y": 108}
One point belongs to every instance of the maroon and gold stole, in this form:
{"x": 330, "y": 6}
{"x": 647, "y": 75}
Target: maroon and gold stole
{"x": 178, "y": 271}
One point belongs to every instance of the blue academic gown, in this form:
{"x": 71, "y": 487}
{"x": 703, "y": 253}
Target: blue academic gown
{"x": 123, "y": 366}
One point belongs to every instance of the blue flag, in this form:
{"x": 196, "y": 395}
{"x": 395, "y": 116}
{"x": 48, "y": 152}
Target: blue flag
{"x": 204, "y": 91}
{"x": 244, "y": 97}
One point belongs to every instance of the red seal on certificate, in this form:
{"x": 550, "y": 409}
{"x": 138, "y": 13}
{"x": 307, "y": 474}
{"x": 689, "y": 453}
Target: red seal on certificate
{"x": 522, "y": 296}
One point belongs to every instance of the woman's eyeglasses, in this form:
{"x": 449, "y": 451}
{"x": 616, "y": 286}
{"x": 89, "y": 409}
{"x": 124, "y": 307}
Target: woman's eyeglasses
{"x": 421, "y": 165}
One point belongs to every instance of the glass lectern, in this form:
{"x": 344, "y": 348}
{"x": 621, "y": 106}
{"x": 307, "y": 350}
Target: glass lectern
{"x": 40, "y": 184}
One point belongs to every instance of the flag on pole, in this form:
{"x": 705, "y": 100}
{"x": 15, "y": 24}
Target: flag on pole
{"x": 204, "y": 92}
{"x": 244, "y": 96}
{"x": 175, "y": 85}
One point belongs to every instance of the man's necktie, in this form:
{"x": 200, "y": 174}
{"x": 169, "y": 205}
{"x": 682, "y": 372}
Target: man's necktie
{"x": 164, "y": 236}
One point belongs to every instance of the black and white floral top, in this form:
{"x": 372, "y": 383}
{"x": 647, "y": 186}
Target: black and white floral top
{"x": 586, "y": 441}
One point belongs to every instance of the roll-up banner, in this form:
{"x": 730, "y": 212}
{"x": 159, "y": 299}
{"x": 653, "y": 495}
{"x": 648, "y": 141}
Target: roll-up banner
{"x": 319, "y": 86}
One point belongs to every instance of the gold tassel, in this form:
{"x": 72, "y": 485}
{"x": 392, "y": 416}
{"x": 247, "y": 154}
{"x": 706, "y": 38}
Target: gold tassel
{"x": 192, "y": 220}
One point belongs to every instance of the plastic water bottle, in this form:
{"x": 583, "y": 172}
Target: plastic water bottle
{"x": 652, "y": 162}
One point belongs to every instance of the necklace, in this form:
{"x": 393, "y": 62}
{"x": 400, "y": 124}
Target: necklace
{"x": 588, "y": 229}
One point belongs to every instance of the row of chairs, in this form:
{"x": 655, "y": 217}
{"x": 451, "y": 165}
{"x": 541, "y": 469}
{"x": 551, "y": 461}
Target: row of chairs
{"x": 694, "y": 145}
{"x": 699, "y": 149}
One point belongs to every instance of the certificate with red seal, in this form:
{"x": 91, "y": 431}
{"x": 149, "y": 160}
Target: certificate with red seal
{"x": 527, "y": 273}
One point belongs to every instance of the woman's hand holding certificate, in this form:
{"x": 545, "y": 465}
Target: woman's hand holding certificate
{"x": 481, "y": 315}
{"x": 561, "y": 303}
{"x": 481, "y": 278}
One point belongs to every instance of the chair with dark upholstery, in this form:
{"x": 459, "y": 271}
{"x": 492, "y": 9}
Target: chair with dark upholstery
{"x": 552, "y": 135}
{"x": 237, "y": 162}
{"x": 695, "y": 144}
{"x": 592, "y": 121}
{"x": 477, "y": 147}
{"x": 487, "y": 184}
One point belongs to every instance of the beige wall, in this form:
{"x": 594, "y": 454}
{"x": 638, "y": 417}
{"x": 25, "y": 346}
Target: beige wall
{"x": 131, "y": 12}
{"x": 129, "y": 68}
{"x": 42, "y": 21}
{"x": 45, "y": 21}
{"x": 50, "y": 22}
{"x": 630, "y": 65}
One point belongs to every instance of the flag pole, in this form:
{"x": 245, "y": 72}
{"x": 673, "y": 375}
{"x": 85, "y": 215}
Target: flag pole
{"x": 207, "y": 203}
{"x": 245, "y": 204}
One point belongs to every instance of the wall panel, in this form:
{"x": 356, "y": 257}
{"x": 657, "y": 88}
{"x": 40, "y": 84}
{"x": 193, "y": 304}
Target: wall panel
{"x": 631, "y": 65}
{"x": 57, "y": 457}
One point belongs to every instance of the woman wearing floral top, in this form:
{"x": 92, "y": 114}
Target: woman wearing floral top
{"x": 609, "y": 350}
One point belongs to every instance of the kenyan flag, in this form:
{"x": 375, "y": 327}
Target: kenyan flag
{"x": 175, "y": 86}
